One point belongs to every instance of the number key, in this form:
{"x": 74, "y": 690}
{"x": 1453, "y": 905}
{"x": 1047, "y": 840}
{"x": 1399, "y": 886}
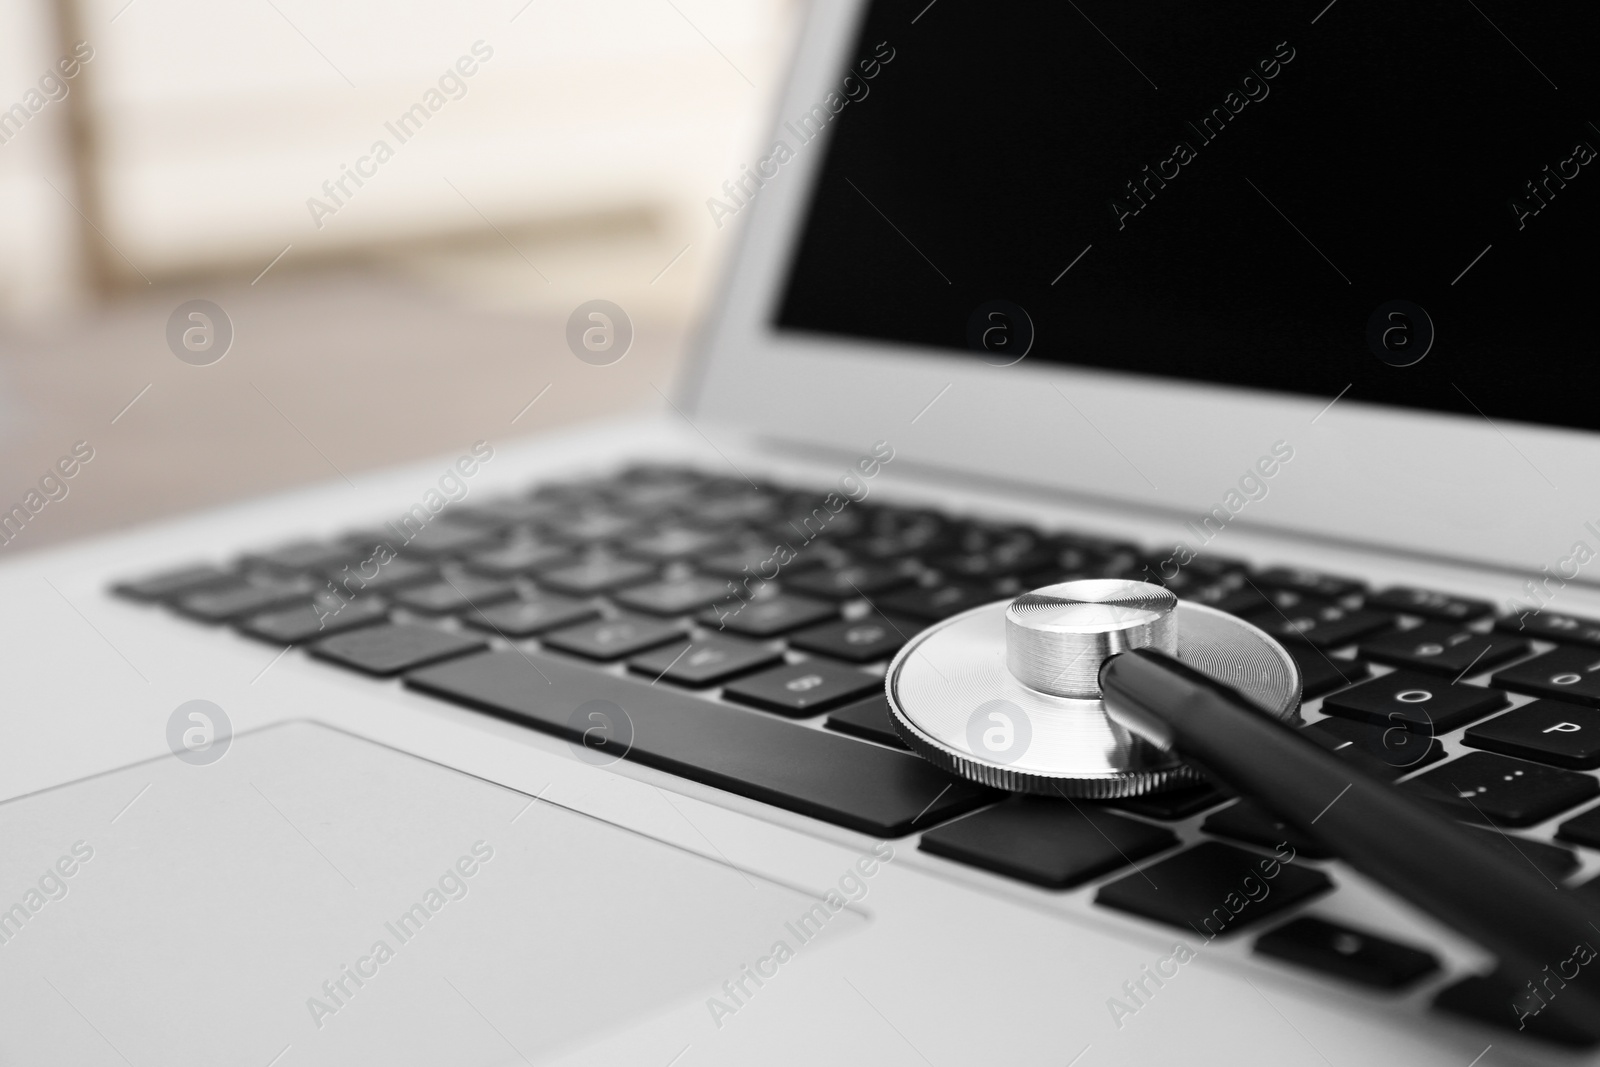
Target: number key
{"x": 1571, "y": 674}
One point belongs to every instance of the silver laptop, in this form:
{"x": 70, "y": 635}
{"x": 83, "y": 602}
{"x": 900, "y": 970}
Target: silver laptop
{"x": 576, "y": 751}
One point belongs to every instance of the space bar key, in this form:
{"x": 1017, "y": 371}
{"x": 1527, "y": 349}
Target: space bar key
{"x": 827, "y": 776}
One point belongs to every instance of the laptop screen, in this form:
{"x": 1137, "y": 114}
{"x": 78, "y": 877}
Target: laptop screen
{"x": 1397, "y": 201}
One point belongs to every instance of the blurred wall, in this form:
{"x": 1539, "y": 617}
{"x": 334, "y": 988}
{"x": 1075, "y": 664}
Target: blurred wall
{"x": 217, "y": 135}
{"x": 390, "y": 319}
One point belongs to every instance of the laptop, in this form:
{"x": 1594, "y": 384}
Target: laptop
{"x": 575, "y": 750}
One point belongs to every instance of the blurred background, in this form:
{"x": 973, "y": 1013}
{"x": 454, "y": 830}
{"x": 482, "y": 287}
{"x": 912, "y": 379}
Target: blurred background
{"x": 154, "y": 152}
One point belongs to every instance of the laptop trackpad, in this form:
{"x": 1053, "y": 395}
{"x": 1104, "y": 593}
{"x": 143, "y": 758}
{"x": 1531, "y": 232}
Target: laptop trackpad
{"x": 316, "y": 891}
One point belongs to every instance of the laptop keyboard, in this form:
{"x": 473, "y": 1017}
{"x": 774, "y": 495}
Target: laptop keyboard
{"x": 663, "y": 589}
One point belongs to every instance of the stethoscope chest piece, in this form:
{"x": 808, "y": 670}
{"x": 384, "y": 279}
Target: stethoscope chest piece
{"x": 1007, "y": 693}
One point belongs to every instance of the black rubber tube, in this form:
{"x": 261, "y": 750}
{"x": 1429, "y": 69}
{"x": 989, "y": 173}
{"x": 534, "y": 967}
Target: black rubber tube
{"x": 1399, "y": 841}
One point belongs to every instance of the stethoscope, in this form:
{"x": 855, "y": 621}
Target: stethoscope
{"x": 1106, "y": 688}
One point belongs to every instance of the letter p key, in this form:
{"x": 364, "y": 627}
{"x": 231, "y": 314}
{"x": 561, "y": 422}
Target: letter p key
{"x": 1562, "y": 727}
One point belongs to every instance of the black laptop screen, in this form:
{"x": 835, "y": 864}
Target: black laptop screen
{"x": 1397, "y": 197}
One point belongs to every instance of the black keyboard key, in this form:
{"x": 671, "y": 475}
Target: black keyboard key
{"x": 675, "y": 596}
{"x": 1047, "y": 842}
{"x": 1208, "y": 566}
{"x": 178, "y": 582}
{"x": 1545, "y": 731}
{"x": 300, "y": 557}
{"x": 1320, "y": 624}
{"x": 441, "y": 539}
{"x": 998, "y": 562}
{"x": 307, "y": 622}
{"x": 448, "y": 595}
{"x": 848, "y": 583}
{"x": 235, "y": 602}
{"x": 598, "y": 575}
{"x": 387, "y": 650}
{"x": 865, "y": 640}
{"x": 380, "y": 574}
{"x": 1191, "y": 584}
{"x": 506, "y": 512}
{"x": 751, "y": 507}
{"x": 1583, "y": 829}
{"x": 704, "y": 661}
{"x": 1486, "y": 787}
{"x": 1250, "y": 598}
{"x": 1442, "y": 648}
{"x": 1548, "y": 626}
{"x": 759, "y": 564}
{"x": 1213, "y": 888}
{"x": 1499, "y": 1002}
{"x": 1321, "y": 673}
{"x": 674, "y": 543}
{"x": 1248, "y": 822}
{"x": 1553, "y": 861}
{"x": 816, "y": 773}
{"x": 802, "y": 689}
{"x": 520, "y": 557}
{"x": 1589, "y": 891}
{"x": 1343, "y": 952}
{"x": 1416, "y": 701}
{"x": 1387, "y": 751}
{"x": 609, "y": 639}
{"x": 769, "y": 616}
{"x": 593, "y": 527}
{"x": 1441, "y": 607}
{"x": 1173, "y": 804}
{"x": 1570, "y": 674}
{"x": 870, "y": 719}
{"x": 1311, "y": 583}
{"x": 525, "y": 618}
{"x": 935, "y": 602}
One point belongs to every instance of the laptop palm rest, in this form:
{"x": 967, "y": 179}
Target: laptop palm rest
{"x": 316, "y": 892}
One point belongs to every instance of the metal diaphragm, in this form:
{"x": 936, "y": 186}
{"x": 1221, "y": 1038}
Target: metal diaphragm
{"x": 957, "y": 699}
